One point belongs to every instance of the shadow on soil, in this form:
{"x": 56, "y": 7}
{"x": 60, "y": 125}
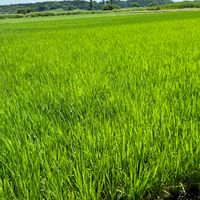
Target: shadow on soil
{"x": 184, "y": 191}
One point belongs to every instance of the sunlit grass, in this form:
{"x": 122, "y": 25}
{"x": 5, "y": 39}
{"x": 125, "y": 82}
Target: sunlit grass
{"x": 98, "y": 108}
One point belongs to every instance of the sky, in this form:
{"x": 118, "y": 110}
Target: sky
{"x": 7, "y": 2}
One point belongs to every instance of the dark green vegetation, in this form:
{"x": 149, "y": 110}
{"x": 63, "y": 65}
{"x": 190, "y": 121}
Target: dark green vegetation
{"x": 181, "y": 5}
{"x": 99, "y": 107}
{"x": 83, "y": 7}
{"x": 74, "y": 5}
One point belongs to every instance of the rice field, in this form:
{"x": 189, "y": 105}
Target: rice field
{"x": 99, "y": 106}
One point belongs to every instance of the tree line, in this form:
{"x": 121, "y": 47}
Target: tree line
{"x": 78, "y": 4}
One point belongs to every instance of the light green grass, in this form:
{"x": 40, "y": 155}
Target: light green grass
{"x": 98, "y": 108}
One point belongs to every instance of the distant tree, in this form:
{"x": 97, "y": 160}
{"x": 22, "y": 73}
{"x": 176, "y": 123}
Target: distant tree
{"x": 55, "y": 5}
{"x": 23, "y": 11}
{"x": 135, "y": 4}
{"x": 110, "y": 7}
{"x": 42, "y": 7}
{"x": 91, "y": 5}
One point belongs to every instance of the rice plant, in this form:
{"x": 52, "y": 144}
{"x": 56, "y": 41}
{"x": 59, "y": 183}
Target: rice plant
{"x": 99, "y": 107}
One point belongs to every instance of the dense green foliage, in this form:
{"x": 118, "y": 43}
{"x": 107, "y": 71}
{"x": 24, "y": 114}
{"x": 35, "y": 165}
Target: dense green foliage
{"x": 103, "y": 107}
{"x": 184, "y": 4}
{"x": 73, "y": 5}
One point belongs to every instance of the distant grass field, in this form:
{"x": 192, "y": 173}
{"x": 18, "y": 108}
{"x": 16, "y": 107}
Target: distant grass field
{"x": 99, "y": 107}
